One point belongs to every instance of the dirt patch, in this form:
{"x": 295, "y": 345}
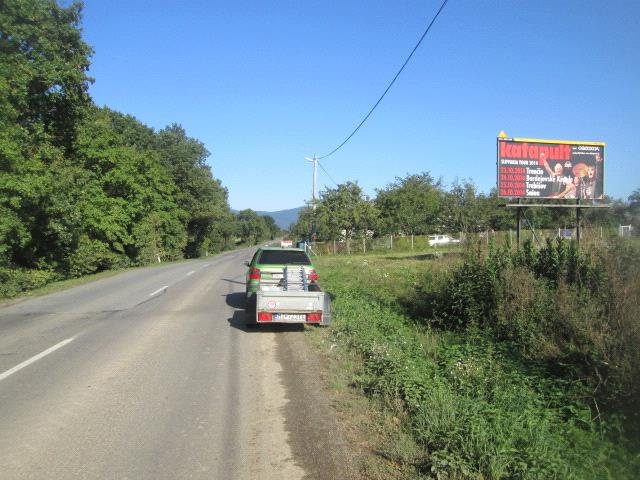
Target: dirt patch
{"x": 319, "y": 440}
{"x": 335, "y": 430}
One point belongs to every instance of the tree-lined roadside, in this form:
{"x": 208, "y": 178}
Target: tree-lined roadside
{"x": 84, "y": 188}
{"x": 419, "y": 204}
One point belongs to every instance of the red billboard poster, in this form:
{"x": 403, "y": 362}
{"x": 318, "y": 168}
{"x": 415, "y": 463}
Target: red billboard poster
{"x": 532, "y": 168}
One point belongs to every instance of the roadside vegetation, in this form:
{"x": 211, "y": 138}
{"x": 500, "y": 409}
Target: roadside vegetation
{"x": 493, "y": 363}
{"x": 419, "y": 205}
{"x": 83, "y": 188}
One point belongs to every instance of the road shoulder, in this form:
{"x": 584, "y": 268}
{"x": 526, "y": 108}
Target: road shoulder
{"x": 318, "y": 437}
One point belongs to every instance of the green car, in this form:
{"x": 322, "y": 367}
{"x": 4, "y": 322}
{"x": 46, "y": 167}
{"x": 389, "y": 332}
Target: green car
{"x": 266, "y": 269}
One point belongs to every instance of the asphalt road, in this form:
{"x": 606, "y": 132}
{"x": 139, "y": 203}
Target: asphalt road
{"x": 151, "y": 374}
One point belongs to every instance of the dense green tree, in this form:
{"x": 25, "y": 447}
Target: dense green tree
{"x": 82, "y": 188}
{"x": 494, "y": 212}
{"x": 461, "y": 208}
{"x": 251, "y": 227}
{"x": 344, "y": 212}
{"x": 218, "y": 225}
{"x": 271, "y": 226}
{"x": 43, "y": 73}
{"x": 199, "y": 194}
{"x": 411, "y": 205}
{"x": 43, "y": 95}
{"x": 131, "y": 206}
{"x": 307, "y": 225}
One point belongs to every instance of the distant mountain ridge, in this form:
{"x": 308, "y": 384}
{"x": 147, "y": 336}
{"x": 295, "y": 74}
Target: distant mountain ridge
{"x": 283, "y": 218}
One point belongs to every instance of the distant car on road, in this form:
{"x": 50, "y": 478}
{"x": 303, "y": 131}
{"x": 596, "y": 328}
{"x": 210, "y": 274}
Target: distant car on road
{"x": 437, "y": 240}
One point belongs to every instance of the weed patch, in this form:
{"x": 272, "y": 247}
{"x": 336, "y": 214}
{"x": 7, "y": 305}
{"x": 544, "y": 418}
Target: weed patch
{"x": 497, "y": 382}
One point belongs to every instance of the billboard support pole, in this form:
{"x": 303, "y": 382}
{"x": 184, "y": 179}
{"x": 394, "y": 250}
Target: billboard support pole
{"x": 518, "y": 212}
{"x": 578, "y": 217}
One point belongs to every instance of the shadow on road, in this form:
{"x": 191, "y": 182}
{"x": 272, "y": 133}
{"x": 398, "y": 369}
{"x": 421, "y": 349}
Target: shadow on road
{"x": 237, "y": 321}
{"x": 236, "y": 299}
{"x": 233, "y": 281}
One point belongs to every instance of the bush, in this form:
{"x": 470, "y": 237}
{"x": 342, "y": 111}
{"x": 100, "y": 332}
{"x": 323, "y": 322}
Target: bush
{"x": 475, "y": 412}
{"x": 92, "y": 256}
{"x": 14, "y": 281}
{"x": 469, "y": 296}
{"x": 576, "y": 312}
{"x": 507, "y": 365}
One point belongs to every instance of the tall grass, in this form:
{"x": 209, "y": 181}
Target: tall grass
{"x": 575, "y": 312}
{"x": 502, "y": 364}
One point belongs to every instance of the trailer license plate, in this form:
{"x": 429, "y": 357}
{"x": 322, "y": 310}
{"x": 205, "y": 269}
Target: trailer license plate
{"x": 283, "y": 317}
{"x": 277, "y": 275}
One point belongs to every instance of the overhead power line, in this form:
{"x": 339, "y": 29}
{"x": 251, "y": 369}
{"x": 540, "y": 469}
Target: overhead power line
{"x": 325, "y": 171}
{"x": 389, "y": 86}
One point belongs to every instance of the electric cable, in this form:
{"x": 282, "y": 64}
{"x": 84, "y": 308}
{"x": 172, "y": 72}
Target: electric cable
{"x": 325, "y": 171}
{"x": 390, "y": 84}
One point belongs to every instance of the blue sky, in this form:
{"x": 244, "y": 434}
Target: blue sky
{"x": 264, "y": 84}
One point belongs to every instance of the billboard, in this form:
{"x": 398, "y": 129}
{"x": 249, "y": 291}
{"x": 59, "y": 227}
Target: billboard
{"x": 532, "y": 168}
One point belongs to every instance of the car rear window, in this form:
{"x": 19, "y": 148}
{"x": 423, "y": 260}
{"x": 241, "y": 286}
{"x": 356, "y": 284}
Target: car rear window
{"x": 283, "y": 257}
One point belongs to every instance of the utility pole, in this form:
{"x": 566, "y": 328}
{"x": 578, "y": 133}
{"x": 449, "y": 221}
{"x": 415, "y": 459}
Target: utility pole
{"x": 314, "y": 160}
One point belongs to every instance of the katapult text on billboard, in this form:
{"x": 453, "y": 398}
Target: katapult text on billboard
{"x": 533, "y": 151}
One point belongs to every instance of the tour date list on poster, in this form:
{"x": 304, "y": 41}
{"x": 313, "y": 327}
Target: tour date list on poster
{"x": 532, "y": 168}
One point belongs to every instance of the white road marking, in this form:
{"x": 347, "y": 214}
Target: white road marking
{"x": 26, "y": 363}
{"x": 191, "y": 272}
{"x": 205, "y": 265}
{"x": 159, "y": 290}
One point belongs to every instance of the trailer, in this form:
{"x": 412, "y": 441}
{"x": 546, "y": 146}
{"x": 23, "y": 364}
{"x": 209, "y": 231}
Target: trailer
{"x": 294, "y": 299}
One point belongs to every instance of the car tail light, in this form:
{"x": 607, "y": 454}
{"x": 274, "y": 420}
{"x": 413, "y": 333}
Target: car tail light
{"x": 314, "y": 317}
{"x": 265, "y": 317}
{"x": 313, "y": 275}
{"x": 254, "y": 274}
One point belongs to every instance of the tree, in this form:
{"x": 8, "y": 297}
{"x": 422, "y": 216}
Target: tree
{"x": 129, "y": 203}
{"x": 411, "y": 205}
{"x": 43, "y": 97}
{"x": 307, "y": 225}
{"x": 199, "y": 194}
{"x": 43, "y": 65}
{"x": 493, "y": 213}
{"x": 344, "y": 212}
{"x": 82, "y": 188}
{"x": 271, "y": 226}
{"x": 462, "y": 211}
{"x": 251, "y": 227}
